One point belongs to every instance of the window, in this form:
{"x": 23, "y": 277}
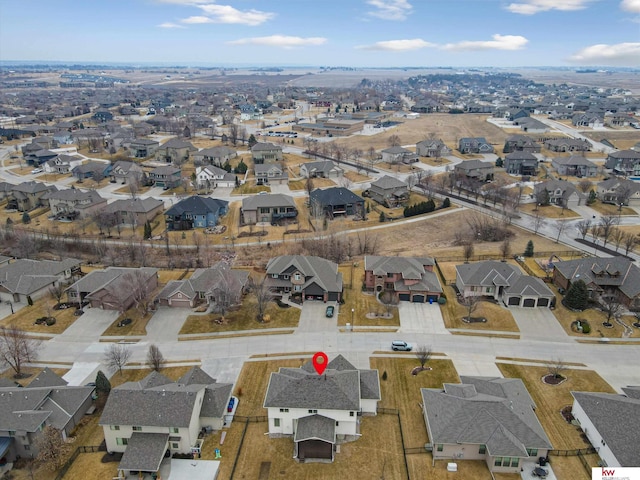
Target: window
{"x": 137, "y": 429}
{"x": 337, "y": 424}
{"x": 26, "y": 447}
{"x": 297, "y": 276}
{"x": 286, "y": 277}
{"x": 122, "y": 441}
{"x": 276, "y": 422}
{"x": 274, "y": 275}
{"x": 114, "y": 427}
{"x": 351, "y": 414}
{"x": 313, "y": 411}
{"x": 12, "y": 433}
{"x": 175, "y": 445}
{"x": 497, "y": 462}
{"x": 284, "y": 410}
{"x": 389, "y": 275}
{"x": 506, "y": 461}
{"x": 174, "y": 430}
{"x": 515, "y": 462}
{"x": 532, "y": 452}
{"x": 297, "y": 288}
{"x": 482, "y": 450}
{"x": 440, "y": 447}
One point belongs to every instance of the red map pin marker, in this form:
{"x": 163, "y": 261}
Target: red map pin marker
{"x": 320, "y": 361}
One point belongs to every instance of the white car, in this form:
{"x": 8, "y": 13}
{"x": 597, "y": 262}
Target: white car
{"x": 36, "y": 170}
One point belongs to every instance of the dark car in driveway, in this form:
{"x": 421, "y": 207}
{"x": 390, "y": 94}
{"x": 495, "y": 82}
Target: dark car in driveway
{"x": 329, "y": 311}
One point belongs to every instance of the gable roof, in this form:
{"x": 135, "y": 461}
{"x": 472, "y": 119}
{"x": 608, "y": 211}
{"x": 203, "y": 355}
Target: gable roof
{"x": 387, "y": 182}
{"x": 320, "y": 166}
{"x": 197, "y": 205}
{"x": 138, "y": 205}
{"x": 144, "y": 452}
{"x": 488, "y": 273}
{"x": 315, "y": 270}
{"x": 496, "y": 412}
{"x": 617, "y": 420}
{"x": 265, "y": 146}
{"x": 613, "y": 271}
{"x": 316, "y": 427}
{"x": 335, "y": 196}
{"x": 177, "y": 143}
{"x": 25, "y": 276}
{"x": 528, "y": 285}
{"x": 47, "y": 378}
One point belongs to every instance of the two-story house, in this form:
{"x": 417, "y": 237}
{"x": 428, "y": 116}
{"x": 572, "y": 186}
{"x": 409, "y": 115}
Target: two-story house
{"x": 143, "y": 148}
{"x": 624, "y": 162}
{"x": 62, "y": 164}
{"x": 474, "y": 169}
{"x": 195, "y": 212}
{"x": 136, "y": 211}
{"x": 575, "y": 165}
{"x": 389, "y": 191}
{"x": 217, "y": 156}
{"x": 175, "y": 151}
{"x": 26, "y": 196}
{"x": 125, "y": 172}
{"x": 270, "y": 174}
{"x": 213, "y": 177}
{"x": 521, "y": 163}
{"x": 263, "y": 152}
{"x": 619, "y": 191}
{"x": 432, "y": 148}
{"x": 409, "y": 279}
{"x": 320, "y": 412}
{"x": 145, "y": 419}
{"x": 560, "y": 193}
{"x": 313, "y": 278}
{"x": 268, "y": 208}
{"x": 336, "y": 201}
{"x": 166, "y": 177}
{"x": 521, "y": 143}
{"x": 474, "y": 145}
{"x": 73, "y": 203}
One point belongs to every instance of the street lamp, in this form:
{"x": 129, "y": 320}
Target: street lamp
{"x": 10, "y": 303}
{"x": 353, "y": 310}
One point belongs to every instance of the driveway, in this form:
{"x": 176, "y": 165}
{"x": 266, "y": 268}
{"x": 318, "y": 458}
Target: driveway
{"x": 421, "y": 317}
{"x": 89, "y": 326}
{"x": 538, "y": 324}
{"x": 313, "y": 318}
{"x": 165, "y": 324}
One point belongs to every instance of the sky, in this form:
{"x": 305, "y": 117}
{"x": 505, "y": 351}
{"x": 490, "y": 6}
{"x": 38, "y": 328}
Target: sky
{"x": 347, "y": 33}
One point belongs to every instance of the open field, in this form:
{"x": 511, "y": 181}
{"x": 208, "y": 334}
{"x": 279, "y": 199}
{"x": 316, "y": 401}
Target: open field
{"x": 448, "y": 127}
{"x": 622, "y": 139}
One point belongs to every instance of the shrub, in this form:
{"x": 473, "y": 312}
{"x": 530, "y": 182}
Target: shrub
{"x": 50, "y": 321}
{"x": 384, "y": 375}
{"x": 586, "y": 328}
{"x": 442, "y": 300}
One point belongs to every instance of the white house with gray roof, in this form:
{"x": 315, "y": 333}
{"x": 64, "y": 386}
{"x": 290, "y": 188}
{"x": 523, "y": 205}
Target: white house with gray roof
{"x": 320, "y": 411}
{"x": 611, "y": 422}
{"x": 145, "y": 419}
{"x": 484, "y": 418}
{"x": 503, "y": 282}
{"x": 321, "y": 169}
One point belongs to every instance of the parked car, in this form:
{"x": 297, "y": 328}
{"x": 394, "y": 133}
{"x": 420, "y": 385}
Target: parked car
{"x": 401, "y": 346}
{"x": 329, "y": 312}
{"x": 124, "y": 322}
{"x": 36, "y": 170}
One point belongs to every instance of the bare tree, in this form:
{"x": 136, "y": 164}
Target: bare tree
{"x": 583, "y": 227}
{"x": 471, "y": 303}
{"x": 226, "y": 290}
{"x": 505, "y": 248}
{"x": 56, "y": 290}
{"x": 133, "y": 185}
{"x": 233, "y": 133}
{"x": 116, "y": 356}
{"x": 139, "y": 289}
{"x": 555, "y": 367}
{"x": 394, "y": 141}
{"x": 538, "y": 222}
{"x": 618, "y": 237}
{"x": 263, "y": 296}
{"x": 389, "y": 301}
{"x": 17, "y": 348}
{"x": 585, "y": 185}
{"x": 309, "y": 186}
{"x": 423, "y": 354}
{"x": 559, "y": 226}
{"x": 467, "y": 249}
{"x": 155, "y": 359}
{"x": 629, "y": 242}
{"x": 52, "y": 449}
{"x": 412, "y": 181}
{"x": 607, "y": 224}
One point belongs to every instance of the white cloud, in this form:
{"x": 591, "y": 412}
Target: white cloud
{"x": 499, "y": 42}
{"x": 228, "y": 14}
{"x": 390, "y": 9}
{"x": 170, "y": 25}
{"x": 398, "y": 45}
{"x": 281, "y": 41}
{"x": 197, "y": 19}
{"x": 620, "y": 54}
{"x": 530, "y": 7}
{"x": 630, "y": 5}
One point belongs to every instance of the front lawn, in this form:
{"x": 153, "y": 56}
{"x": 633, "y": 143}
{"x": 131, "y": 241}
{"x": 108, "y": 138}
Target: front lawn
{"x": 25, "y": 317}
{"x": 498, "y": 317}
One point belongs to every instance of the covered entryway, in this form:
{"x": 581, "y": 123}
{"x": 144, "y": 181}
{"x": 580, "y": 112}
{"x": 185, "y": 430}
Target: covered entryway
{"x": 529, "y": 302}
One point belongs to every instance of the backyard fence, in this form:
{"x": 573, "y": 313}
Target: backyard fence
{"x": 572, "y": 453}
{"x": 81, "y": 449}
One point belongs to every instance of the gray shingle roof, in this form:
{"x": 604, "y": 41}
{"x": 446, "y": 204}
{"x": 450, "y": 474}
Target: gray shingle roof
{"x": 144, "y": 452}
{"x": 315, "y": 270}
{"x": 47, "y": 378}
{"x": 197, "y": 205}
{"x": 316, "y": 427}
{"x": 196, "y": 376}
{"x": 269, "y": 200}
{"x": 264, "y": 146}
{"x": 386, "y": 182}
{"x": 614, "y": 271}
{"x": 617, "y": 420}
{"x": 109, "y": 277}
{"x": 335, "y": 196}
{"x": 488, "y": 273}
{"x": 527, "y": 285}
{"x": 496, "y": 412}
{"x": 139, "y": 205}
{"x": 28, "y": 276}
{"x": 216, "y": 400}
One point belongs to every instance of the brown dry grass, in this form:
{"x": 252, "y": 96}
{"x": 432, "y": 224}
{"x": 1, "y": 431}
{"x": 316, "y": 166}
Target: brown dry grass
{"x": 91, "y": 462}
{"x": 608, "y": 209}
{"x": 420, "y": 466}
{"x": 30, "y": 373}
{"x": 550, "y": 399}
{"x": 622, "y": 139}
{"x": 243, "y": 319}
{"x": 137, "y": 327}
{"x": 498, "y": 317}
{"x": 25, "y": 317}
{"x": 548, "y": 211}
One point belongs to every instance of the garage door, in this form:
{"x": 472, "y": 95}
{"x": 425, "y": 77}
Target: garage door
{"x": 432, "y": 298}
{"x": 529, "y": 302}
{"x": 314, "y": 297}
{"x": 514, "y": 300}
{"x": 418, "y": 299}
{"x": 543, "y": 302}
{"x": 405, "y": 297}
{"x": 333, "y": 296}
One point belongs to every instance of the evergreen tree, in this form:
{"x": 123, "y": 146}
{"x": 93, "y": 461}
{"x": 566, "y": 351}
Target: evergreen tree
{"x": 592, "y": 197}
{"x": 26, "y": 218}
{"x": 241, "y": 168}
{"x": 382, "y": 217}
{"x": 252, "y": 140}
{"x": 102, "y": 383}
{"x": 147, "y": 230}
{"x": 446, "y": 203}
{"x": 577, "y": 296}
{"x": 226, "y": 167}
{"x": 528, "y": 251}
{"x": 499, "y": 162}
